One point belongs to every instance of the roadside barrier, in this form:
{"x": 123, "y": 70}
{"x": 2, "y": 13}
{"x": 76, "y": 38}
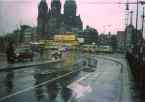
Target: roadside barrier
{"x": 138, "y": 71}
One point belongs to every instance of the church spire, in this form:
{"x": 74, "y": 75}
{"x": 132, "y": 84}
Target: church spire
{"x": 42, "y": 22}
{"x": 43, "y": 8}
{"x": 56, "y": 7}
{"x": 70, "y": 8}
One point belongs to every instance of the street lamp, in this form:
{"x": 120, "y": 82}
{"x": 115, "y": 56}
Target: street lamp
{"x": 137, "y": 16}
{"x": 137, "y": 7}
{"x": 143, "y": 21}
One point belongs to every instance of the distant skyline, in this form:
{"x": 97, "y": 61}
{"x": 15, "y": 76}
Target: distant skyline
{"x": 105, "y": 18}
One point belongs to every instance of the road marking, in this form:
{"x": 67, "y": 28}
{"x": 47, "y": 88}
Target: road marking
{"x": 31, "y": 88}
{"x": 94, "y": 76}
{"x": 82, "y": 78}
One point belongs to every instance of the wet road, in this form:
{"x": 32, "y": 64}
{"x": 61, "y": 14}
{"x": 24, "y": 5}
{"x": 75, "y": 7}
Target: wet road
{"x": 16, "y": 82}
{"x": 103, "y": 85}
{"x": 72, "y": 84}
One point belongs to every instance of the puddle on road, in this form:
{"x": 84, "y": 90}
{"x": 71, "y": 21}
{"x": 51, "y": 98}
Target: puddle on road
{"x": 80, "y": 90}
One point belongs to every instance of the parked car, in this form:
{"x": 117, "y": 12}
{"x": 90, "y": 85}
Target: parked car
{"x": 23, "y": 54}
{"x": 57, "y": 55}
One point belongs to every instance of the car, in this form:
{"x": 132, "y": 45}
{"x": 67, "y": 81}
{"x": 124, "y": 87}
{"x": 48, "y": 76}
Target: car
{"x": 23, "y": 54}
{"x": 56, "y": 54}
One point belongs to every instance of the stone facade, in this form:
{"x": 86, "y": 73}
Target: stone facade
{"x": 51, "y": 21}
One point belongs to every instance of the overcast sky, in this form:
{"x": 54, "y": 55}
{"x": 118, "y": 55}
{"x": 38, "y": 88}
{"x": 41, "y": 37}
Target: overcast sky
{"x": 102, "y": 17}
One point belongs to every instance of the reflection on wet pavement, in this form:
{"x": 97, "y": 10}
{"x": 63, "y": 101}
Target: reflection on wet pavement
{"x": 18, "y": 80}
{"x": 63, "y": 82}
{"x": 9, "y": 82}
{"x": 55, "y": 91}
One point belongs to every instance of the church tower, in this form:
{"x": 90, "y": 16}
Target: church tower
{"x": 54, "y": 20}
{"x": 56, "y": 7}
{"x": 71, "y": 20}
{"x": 70, "y": 8}
{"x": 51, "y": 21}
{"x": 42, "y": 20}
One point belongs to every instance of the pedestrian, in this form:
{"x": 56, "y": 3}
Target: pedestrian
{"x": 10, "y": 52}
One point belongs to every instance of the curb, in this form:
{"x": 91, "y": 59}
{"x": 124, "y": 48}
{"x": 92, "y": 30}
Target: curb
{"x": 121, "y": 86}
{"x": 11, "y": 67}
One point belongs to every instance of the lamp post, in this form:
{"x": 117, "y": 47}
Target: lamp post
{"x": 143, "y": 21}
{"x": 137, "y": 4}
{"x": 137, "y": 17}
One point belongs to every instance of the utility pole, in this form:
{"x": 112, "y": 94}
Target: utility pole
{"x": 126, "y": 13}
{"x": 143, "y": 21}
{"x": 131, "y": 17}
{"x": 137, "y": 19}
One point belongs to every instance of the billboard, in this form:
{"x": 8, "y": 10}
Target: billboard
{"x": 64, "y": 37}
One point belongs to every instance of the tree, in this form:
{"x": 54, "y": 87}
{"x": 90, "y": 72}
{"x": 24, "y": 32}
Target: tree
{"x": 90, "y": 35}
{"x": 22, "y": 30}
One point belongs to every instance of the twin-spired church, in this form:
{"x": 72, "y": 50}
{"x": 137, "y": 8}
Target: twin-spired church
{"x": 51, "y": 21}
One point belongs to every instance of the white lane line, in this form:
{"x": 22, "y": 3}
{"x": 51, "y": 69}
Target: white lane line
{"x": 30, "y": 88}
{"x": 87, "y": 75}
{"x": 95, "y": 75}
{"x": 82, "y": 78}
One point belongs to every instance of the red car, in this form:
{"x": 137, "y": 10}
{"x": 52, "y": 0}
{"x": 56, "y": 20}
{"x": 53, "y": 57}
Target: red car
{"x": 23, "y": 54}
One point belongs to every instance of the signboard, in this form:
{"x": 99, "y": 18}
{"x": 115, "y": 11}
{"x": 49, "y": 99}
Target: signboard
{"x": 64, "y": 37}
{"x": 81, "y": 40}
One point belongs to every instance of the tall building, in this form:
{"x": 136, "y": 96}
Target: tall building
{"x": 56, "y": 8}
{"x": 54, "y": 17}
{"x": 51, "y": 21}
{"x": 71, "y": 20}
{"x": 121, "y": 40}
{"x": 130, "y": 36}
{"x": 42, "y": 25}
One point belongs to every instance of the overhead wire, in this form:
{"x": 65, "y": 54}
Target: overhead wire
{"x": 111, "y": 3}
